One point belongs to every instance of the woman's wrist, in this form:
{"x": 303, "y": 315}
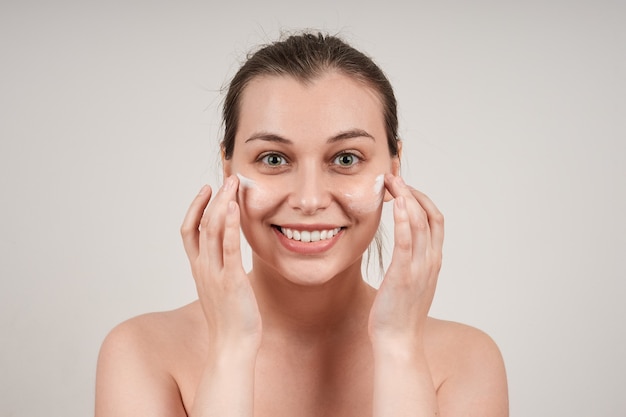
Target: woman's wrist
{"x": 227, "y": 385}
{"x": 227, "y": 354}
{"x": 400, "y": 347}
{"x": 403, "y": 384}
{"x": 400, "y": 358}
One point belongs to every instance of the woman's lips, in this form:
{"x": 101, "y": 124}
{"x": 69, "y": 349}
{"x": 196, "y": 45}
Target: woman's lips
{"x": 308, "y": 240}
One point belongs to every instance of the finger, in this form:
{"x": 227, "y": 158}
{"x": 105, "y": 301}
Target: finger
{"x": 435, "y": 218}
{"x": 212, "y": 224}
{"x": 232, "y": 246}
{"x": 189, "y": 230}
{"x": 418, "y": 217}
{"x": 403, "y": 237}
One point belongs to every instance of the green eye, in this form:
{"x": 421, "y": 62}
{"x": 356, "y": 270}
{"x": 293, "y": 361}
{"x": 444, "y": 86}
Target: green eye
{"x": 273, "y": 160}
{"x": 346, "y": 160}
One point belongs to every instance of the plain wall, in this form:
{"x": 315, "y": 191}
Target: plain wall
{"x": 513, "y": 118}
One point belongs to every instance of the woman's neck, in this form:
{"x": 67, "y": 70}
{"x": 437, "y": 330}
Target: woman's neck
{"x": 339, "y": 305}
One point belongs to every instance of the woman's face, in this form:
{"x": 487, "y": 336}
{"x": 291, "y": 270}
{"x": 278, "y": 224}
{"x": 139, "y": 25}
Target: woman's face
{"x": 311, "y": 160}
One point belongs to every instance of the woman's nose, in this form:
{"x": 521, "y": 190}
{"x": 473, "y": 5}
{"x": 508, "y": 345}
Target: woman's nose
{"x": 310, "y": 191}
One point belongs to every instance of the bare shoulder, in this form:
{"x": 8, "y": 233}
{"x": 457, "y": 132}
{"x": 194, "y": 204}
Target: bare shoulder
{"x": 468, "y": 369}
{"x": 151, "y": 328}
{"x": 459, "y": 340}
{"x": 137, "y": 361}
{"x": 151, "y": 336}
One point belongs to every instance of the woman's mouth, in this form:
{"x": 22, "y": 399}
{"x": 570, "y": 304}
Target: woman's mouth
{"x": 308, "y": 235}
{"x": 308, "y": 240}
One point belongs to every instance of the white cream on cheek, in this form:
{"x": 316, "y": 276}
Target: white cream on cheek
{"x": 362, "y": 197}
{"x": 251, "y": 194}
{"x": 245, "y": 182}
{"x": 379, "y": 183}
{"x": 248, "y": 192}
{"x": 365, "y": 198}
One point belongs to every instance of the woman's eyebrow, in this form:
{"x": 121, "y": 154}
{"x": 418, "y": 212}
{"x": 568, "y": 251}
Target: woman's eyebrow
{"x": 350, "y": 134}
{"x": 270, "y": 137}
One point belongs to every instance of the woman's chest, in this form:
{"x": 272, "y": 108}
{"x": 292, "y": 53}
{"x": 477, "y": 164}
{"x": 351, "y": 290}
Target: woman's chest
{"x": 301, "y": 384}
{"x": 314, "y": 385}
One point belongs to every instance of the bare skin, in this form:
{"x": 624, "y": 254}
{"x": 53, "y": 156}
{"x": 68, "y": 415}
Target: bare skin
{"x": 302, "y": 333}
{"x": 163, "y": 381}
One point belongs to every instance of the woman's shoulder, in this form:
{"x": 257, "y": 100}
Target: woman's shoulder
{"x": 150, "y": 327}
{"x": 140, "y": 359}
{"x": 152, "y": 337}
{"x": 459, "y": 342}
{"x": 466, "y": 361}
{"x": 452, "y": 331}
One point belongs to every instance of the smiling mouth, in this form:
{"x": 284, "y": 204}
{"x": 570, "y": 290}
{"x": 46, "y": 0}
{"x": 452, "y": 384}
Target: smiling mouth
{"x": 308, "y": 235}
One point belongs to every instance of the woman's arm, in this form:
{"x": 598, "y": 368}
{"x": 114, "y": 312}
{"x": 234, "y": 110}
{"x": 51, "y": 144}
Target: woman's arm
{"x": 403, "y": 384}
{"x": 133, "y": 375}
{"x": 475, "y": 382}
{"x": 211, "y": 236}
{"x": 227, "y": 384}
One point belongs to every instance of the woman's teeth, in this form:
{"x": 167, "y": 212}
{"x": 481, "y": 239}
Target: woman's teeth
{"x": 309, "y": 236}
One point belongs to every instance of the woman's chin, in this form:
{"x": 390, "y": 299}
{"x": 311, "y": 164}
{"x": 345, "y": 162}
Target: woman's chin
{"x": 312, "y": 272}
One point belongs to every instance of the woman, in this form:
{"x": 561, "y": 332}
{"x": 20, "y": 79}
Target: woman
{"x": 310, "y": 153}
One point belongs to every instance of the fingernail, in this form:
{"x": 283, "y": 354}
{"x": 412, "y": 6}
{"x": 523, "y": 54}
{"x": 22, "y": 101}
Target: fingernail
{"x": 203, "y": 190}
{"x": 400, "y": 180}
{"x": 231, "y": 206}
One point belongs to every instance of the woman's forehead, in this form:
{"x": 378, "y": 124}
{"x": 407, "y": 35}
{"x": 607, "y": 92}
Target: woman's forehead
{"x": 324, "y": 105}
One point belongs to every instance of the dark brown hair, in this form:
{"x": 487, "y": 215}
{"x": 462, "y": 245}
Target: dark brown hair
{"x": 306, "y": 56}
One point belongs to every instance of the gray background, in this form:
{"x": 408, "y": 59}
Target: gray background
{"x": 513, "y": 117}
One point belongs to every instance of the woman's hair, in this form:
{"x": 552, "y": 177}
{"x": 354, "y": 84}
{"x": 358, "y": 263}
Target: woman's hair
{"x": 304, "y": 57}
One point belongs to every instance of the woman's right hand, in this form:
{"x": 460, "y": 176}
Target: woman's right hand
{"x": 212, "y": 242}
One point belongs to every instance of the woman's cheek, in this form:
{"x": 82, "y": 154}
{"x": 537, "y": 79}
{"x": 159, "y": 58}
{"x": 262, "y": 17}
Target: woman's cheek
{"x": 363, "y": 196}
{"x": 253, "y": 196}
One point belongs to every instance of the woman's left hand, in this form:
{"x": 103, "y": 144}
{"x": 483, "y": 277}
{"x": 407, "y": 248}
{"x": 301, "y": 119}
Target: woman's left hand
{"x": 399, "y": 312}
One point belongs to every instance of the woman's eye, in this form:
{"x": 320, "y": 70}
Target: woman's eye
{"x": 273, "y": 160}
{"x": 346, "y": 160}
